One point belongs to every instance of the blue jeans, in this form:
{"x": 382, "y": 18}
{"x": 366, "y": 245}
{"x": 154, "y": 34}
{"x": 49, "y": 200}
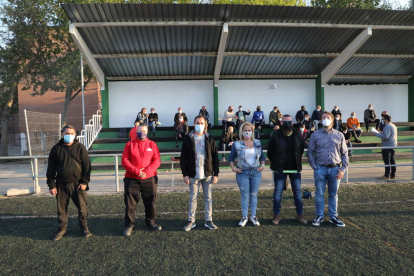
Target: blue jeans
{"x": 295, "y": 181}
{"x": 152, "y": 125}
{"x": 249, "y": 183}
{"x": 324, "y": 175}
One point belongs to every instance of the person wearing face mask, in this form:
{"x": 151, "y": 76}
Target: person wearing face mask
{"x": 258, "y": 120}
{"x": 203, "y": 112}
{"x": 141, "y": 159}
{"x": 200, "y": 167}
{"x": 316, "y": 116}
{"x": 153, "y": 121}
{"x": 304, "y": 133}
{"x": 335, "y": 111}
{"x": 68, "y": 175}
{"x": 228, "y": 118}
{"x": 285, "y": 150}
{"x": 142, "y": 117}
{"x": 338, "y": 125}
{"x": 371, "y": 117}
{"x": 328, "y": 157}
{"x": 382, "y": 124}
{"x": 227, "y": 140}
{"x": 250, "y": 163}
{"x": 274, "y": 117}
{"x": 300, "y": 115}
{"x": 179, "y": 113}
{"x": 241, "y": 116}
{"x": 354, "y": 127}
{"x": 309, "y": 124}
{"x": 181, "y": 130}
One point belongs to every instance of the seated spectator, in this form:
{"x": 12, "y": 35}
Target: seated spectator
{"x": 300, "y": 115}
{"x": 382, "y": 124}
{"x": 274, "y": 117}
{"x": 178, "y": 114}
{"x": 227, "y": 140}
{"x": 304, "y": 133}
{"x": 316, "y": 116}
{"x": 241, "y": 116}
{"x": 142, "y": 117}
{"x": 133, "y": 132}
{"x": 354, "y": 127}
{"x": 181, "y": 130}
{"x": 347, "y": 136}
{"x": 279, "y": 122}
{"x": 309, "y": 124}
{"x": 153, "y": 121}
{"x": 203, "y": 112}
{"x": 228, "y": 118}
{"x": 338, "y": 125}
{"x": 336, "y": 111}
{"x": 258, "y": 120}
{"x": 370, "y": 117}
{"x": 277, "y": 127}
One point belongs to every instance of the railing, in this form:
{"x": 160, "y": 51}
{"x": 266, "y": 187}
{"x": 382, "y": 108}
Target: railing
{"x": 36, "y": 177}
{"x": 91, "y": 131}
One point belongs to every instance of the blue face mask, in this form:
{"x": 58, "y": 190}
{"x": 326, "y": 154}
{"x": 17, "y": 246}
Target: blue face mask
{"x": 68, "y": 138}
{"x": 199, "y": 128}
{"x": 141, "y": 136}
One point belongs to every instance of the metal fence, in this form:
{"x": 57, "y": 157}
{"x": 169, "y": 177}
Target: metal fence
{"x": 36, "y": 177}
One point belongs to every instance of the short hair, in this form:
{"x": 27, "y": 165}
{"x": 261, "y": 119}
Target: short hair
{"x": 68, "y": 126}
{"x": 276, "y": 107}
{"x": 387, "y": 117}
{"x": 303, "y": 106}
{"x": 205, "y": 122}
{"x": 329, "y": 113}
{"x": 141, "y": 126}
{"x": 287, "y": 115}
{"x": 240, "y": 106}
{"x": 241, "y": 130}
{"x": 142, "y": 109}
{"x": 302, "y": 125}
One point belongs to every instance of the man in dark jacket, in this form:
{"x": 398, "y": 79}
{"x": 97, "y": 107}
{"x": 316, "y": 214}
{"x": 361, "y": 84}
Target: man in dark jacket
{"x": 178, "y": 114}
{"x": 203, "y": 112}
{"x": 300, "y": 115}
{"x": 68, "y": 174}
{"x": 285, "y": 150}
{"x": 316, "y": 116}
{"x": 371, "y": 117}
{"x": 153, "y": 121}
{"x": 200, "y": 166}
{"x": 227, "y": 140}
{"x": 181, "y": 130}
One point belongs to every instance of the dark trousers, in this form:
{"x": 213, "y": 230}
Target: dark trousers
{"x": 64, "y": 193}
{"x": 177, "y": 137}
{"x": 132, "y": 189}
{"x": 388, "y": 155}
{"x": 376, "y": 121}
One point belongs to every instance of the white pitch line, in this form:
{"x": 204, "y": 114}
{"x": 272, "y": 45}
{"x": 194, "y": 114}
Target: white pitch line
{"x": 217, "y": 211}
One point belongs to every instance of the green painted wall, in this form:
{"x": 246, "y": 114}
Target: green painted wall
{"x": 105, "y": 105}
{"x": 320, "y": 93}
{"x": 411, "y": 100}
{"x": 216, "y": 106}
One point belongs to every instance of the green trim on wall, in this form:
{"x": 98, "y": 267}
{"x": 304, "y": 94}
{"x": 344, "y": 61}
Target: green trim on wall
{"x": 105, "y": 105}
{"x": 320, "y": 92}
{"x": 216, "y": 106}
{"x": 411, "y": 100}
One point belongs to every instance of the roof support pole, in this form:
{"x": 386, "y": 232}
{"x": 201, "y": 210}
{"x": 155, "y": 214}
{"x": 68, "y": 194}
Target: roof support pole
{"x": 105, "y": 105}
{"x": 87, "y": 54}
{"x": 320, "y": 93}
{"x": 216, "y": 111}
{"x": 411, "y": 100}
{"x": 343, "y": 57}
{"x": 220, "y": 53}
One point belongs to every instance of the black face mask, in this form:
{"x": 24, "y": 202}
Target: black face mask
{"x": 287, "y": 125}
{"x": 258, "y": 109}
{"x": 230, "y": 110}
{"x": 382, "y": 115}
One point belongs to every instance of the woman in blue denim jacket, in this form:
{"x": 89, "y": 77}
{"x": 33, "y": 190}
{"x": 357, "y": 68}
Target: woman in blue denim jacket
{"x": 250, "y": 163}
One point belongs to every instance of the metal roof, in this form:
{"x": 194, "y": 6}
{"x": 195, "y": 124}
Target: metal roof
{"x": 176, "y": 41}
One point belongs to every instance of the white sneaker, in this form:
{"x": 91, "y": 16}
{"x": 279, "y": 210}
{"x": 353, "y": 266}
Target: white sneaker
{"x": 243, "y": 221}
{"x": 255, "y": 221}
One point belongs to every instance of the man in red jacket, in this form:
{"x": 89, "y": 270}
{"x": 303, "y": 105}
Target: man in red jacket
{"x": 140, "y": 158}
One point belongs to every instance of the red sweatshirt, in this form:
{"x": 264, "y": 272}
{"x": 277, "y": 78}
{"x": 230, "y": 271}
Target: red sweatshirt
{"x": 133, "y": 133}
{"x": 140, "y": 154}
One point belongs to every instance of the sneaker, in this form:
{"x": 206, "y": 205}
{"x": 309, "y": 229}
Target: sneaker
{"x": 86, "y": 233}
{"x": 336, "y": 221}
{"x": 255, "y": 221}
{"x": 127, "y": 231}
{"x": 393, "y": 177}
{"x": 301, "y": 219}
{"x": 276, "y": 219}
{"x": 384, "y": 177}
{"x": 243, "y": 221}
{"x": 59, "y": 235}
{"x": 190, "y": 225}
{"x": 317, "y": 221}
{"x": 210, "y": 225}
{"x": 154, "y": 227}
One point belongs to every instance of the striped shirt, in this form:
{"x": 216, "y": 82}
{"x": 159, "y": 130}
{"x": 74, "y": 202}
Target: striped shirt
{"x": 327, "y": 147}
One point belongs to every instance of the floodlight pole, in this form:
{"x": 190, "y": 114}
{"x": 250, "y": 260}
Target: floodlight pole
{"x": 83, "y": 93}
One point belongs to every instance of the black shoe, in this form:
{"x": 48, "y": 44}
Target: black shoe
{"x": 127, "y": 231}
{"x": 86, "y": 233}
{"x": 317, "y": 221}
{"x": 59, "y": 235}
{"x": 336, "y": 221}
{"x": 153, "y": 134}
{"x": 176, "y": 146}
{"x": 154, "y": 227}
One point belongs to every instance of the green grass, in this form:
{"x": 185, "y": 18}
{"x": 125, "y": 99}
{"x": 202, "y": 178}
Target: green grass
{"x": 378, "y": 238}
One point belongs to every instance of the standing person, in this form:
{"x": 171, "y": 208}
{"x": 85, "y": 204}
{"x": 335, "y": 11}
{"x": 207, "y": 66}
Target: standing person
{"x": 241, "y": 116}
{"x": 68, "y": 175}
{"x": 227, "y": 140}
{"x": 228, "y": 118}
{"x": 181, "y": 130}
{"x": 371, "y": 117}
{"x": 274, "y": 117}
{"x": 178, "y": 114}
{"x": 326, "y": 152}
{"x": 250, "y": 164}
{"x": 258, "y": 120}
{"x": 285, "y": 150}
{"x": 153, "y": 121}
{"x": 142, "y": 117}
{"x": 354, "y": 127}
{"x": 316, "y": 116}
{"x": 388, "y": 139}
{"x": 200, "y": 167}
{"x": 141, "y": 159}
{"x": 381, "y": 126}
{"x": 300, "y": 115}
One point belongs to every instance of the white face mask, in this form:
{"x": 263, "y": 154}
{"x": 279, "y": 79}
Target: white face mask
{"x": 306, "y": 119}
{"x": 180, "y": 111}
{"x": 181, "y": 119}
{"x": 326, "y": 122}
{"x": 302, "y": 129}
{"x": 153, "y": 112}
{"x": 240, "y": 109}
{"x": 337, "y": 118}
{"x": 352, "y": 116}
{"x": 336, "y": 109}
{"x": 370, "y": 108}
{"x": 345, "y": 131}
